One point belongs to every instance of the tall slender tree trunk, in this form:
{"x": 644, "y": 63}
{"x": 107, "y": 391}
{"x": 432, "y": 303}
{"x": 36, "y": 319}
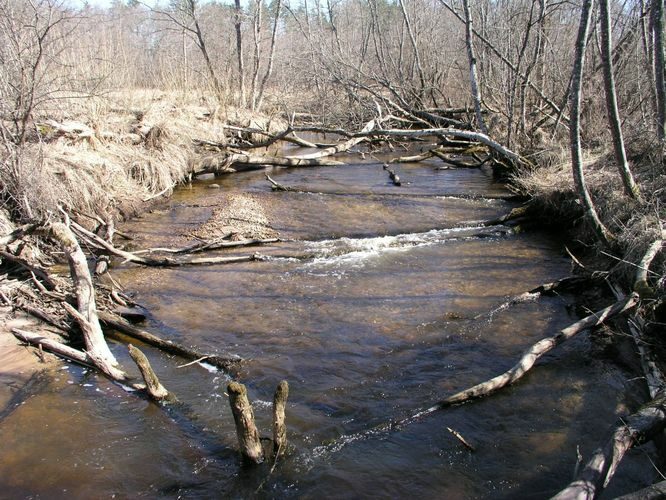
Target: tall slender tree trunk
{"x": 630, "y": 187}
{"x": 658, "y": 47}
{"x": 574, "y": 125}
{"x": 239, "y": 52}
{"x": 271, "y": 56}
{"x": 473, "y": 75}
{"x": 257, "y": 53}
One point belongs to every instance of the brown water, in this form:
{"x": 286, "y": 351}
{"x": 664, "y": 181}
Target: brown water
{"x": 377, "y": 324}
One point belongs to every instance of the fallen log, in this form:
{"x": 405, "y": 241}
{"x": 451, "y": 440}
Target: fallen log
{"x": 230, "y": 162}
{"x": 86, "y": 314}
{"x": 161, "y": 261}
{"x": 343, "y": 146}
{"x": 656, "y": 491}
{"x": 276, "y": 186}
{"x": 215, "y": 244}
{"x": 530, "y": 356}
{"x": 17, "y": 233}
{"x": 226, "y": 363}
{"x": 633, "y": 430}
{"x": 54, "y": 346}
{"x": 392, "y": 175}
{"x": 568, "y": 282}
{"x": 475, "y": 136}
{"x": 29, "y": 266}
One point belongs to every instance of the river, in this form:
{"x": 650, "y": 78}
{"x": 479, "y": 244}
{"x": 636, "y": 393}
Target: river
{"x": 381, "y": 301}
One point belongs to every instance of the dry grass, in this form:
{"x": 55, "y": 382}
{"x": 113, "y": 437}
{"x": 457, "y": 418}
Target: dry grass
{"x": 139, "y": 146}
{"x": 634, "y": 224}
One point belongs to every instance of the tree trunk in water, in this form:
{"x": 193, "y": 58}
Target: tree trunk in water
{"x": 153, "y": 386}
{"x": 279, "y": 426}
{"x": 630, "y": 187}
{"x": 635, "y": 429}
{"x": 473, "y": 76}
{"x": 246, "y": 430}
{"x": 574, "y": 129}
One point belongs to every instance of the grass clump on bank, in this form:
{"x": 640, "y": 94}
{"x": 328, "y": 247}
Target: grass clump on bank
{"x": 635, "y": 224}
{"x": 108, "y": 156}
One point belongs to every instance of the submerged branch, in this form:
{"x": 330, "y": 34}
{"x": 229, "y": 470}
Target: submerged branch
{"x": 115, "y": 322}
{"x": 530, "y": 356}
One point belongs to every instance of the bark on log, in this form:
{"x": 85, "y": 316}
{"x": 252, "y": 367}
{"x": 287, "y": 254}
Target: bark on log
{"x": 226, "y": 363}
{"x": 641, "y": 284}
{"x": 89, "y": 335}
{"x": 96, "y": 346}
{"x": 53, "y": 346}
{"x": 630, "y": 431}
{"x": 279, "y": 426}
{"x": 343, "y": 146}
{"x": 232, "y": 162}
{"x": 530, "y": 357}
{"x": 153, "y": 386}
{"x": 246, "y": 430}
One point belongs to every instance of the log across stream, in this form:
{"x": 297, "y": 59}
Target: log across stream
{"x": 372, "y": 307}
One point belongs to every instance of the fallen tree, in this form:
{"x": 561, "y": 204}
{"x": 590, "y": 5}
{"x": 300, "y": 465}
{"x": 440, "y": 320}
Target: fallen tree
{"x": 537, "y": 350}
{"x": 115, "y": 322}
{"x": 635, "y": 429}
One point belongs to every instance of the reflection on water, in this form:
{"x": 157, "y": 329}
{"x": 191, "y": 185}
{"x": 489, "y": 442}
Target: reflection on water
{"x": 368, "y": 310}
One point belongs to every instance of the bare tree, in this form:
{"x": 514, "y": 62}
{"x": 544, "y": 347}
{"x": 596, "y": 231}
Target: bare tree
{"x": 30, "y": 33}
{"x": 658, "y": 47}
{"x": 574, "y": 126}
{"x": 630, "y": 187}
{"x": 185, "y": 15}
{"x": 271, "y": 55}
{"x": 473, "y": 75}
{"x": 238, "y": 16}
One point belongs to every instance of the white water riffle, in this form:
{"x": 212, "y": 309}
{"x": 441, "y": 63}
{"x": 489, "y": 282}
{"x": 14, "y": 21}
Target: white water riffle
{"x": 356, "y": 252}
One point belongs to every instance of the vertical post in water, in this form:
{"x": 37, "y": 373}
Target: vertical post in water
{"x": 246, "y": 430}
{"x": 279, "y": 426}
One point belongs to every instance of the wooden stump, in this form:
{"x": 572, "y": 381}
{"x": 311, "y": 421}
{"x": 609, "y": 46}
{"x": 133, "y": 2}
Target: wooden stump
{"x": 153, "y": 386}
{"x": 279, "y": 426}
{"x": 246, "y": 430}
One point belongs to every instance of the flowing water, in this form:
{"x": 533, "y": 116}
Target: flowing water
{"x": 377, "y": 305}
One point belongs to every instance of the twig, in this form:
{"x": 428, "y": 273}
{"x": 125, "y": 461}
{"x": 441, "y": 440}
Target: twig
{"x": 461, "y": 439}
{"x": 193, "y": 362}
